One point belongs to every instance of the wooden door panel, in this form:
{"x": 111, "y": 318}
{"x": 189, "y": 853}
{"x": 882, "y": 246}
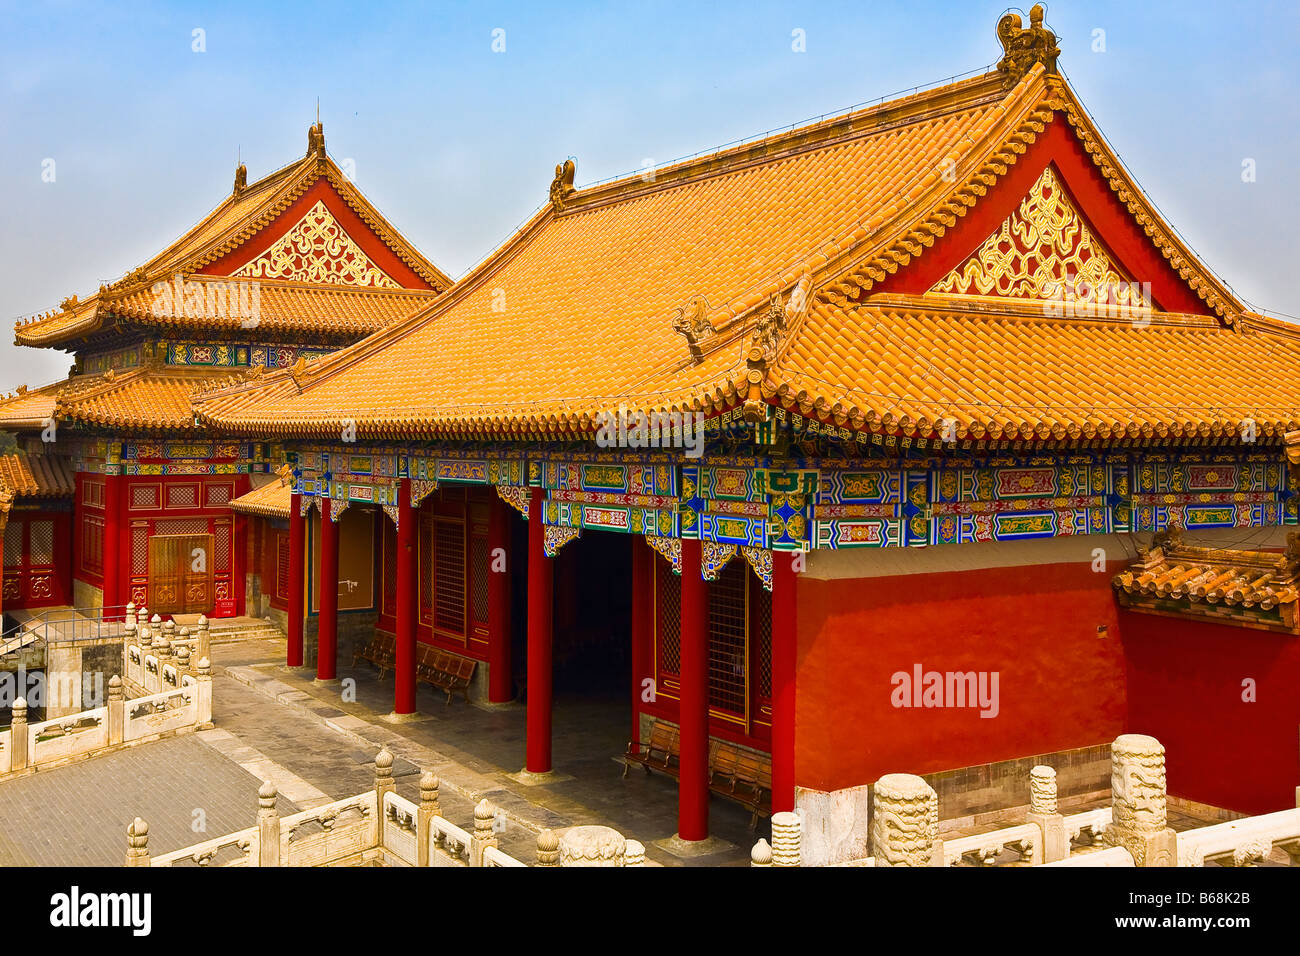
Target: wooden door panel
{"x": 180, "y": 573}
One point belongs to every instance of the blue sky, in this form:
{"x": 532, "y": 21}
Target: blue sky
{"x": 456, "y": 144}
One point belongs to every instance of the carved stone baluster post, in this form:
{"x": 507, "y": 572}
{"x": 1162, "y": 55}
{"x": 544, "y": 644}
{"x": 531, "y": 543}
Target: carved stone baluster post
{"x": 137, "y": 843}
{"x": 1043, "y": 812}
{"x": 548, "y": 848}
{"x": 428, "y": 809}
{"x": 483, "y": 836}
{"x": 634, "y": 855}
{"x": 203, "y": 696}
{"x": 166, "y": 652}
{"x": 204, "y": 646}
{"x": 761, "y": 855}
{"x": 182, "y": 660}
{"x": 116, "y": 711}
{"x": 268, "y": 826}
{"x": 153, "y": 682}
{"x": 905, "y": 822}
{"x": 384, "y": 782}
{"x": 18, "y": 755}
{"x": 128, "y": 637}
{"x": 1138, "y": 801}
{"x": 787, "y": 836}
{"x": 593, "y": 845}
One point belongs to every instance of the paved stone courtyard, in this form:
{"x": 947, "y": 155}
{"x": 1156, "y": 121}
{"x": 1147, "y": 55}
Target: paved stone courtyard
{"x": 317, "y": 749}
{"x": 476, "y": 750}
{"x": 77, "y": 815}
{"x": 277, "y": 724}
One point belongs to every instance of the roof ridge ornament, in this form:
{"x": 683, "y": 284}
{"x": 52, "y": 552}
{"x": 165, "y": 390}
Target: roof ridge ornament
{"x": 692, "y": 322}
{"x": 774, "y": 325}
{"x": 562, "y": 185}
{"x": 1022, "y": 47}
{"x": 316, "y": 139}
{"x": 241, "y": 179}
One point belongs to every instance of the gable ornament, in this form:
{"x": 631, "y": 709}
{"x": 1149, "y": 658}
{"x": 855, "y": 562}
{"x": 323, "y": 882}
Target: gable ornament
{"x": 562, "y": 185}
{"x": 1022, "y": 46}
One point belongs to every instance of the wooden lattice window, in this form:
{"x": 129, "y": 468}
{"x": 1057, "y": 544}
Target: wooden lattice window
{"x": 390, "y": 568}
{"x": 740, "y": 641}
{"x": 449, "y": 576}
{"x": 92, "y": 544}
{"x": 40, "y": 543}
{"x": 760, "y": 630}
{"x": 14, "y": 544}
{"x": 282, "y": 565}
{"x": 729, "y": 640}
{"x": 668, "y": 601}
{"x": 478, "y": 562}
{"x": 426, "y": 568}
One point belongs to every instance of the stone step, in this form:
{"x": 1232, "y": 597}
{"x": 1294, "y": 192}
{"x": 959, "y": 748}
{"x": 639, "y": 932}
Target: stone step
{"x": 226, "y": 635}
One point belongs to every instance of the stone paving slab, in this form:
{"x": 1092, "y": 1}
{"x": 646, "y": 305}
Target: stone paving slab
{"x": 337, "y": 764}
{"x": 77, "y": 815}
{"x": 474, "y": 750}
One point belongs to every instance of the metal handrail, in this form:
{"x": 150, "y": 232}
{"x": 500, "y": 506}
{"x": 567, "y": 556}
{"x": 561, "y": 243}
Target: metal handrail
{"x": 86, "y": 623}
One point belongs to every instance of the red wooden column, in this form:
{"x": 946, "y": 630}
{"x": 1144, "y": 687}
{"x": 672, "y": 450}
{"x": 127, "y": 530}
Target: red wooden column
{"x": 541, "y": 582}
{"x": 297, "y": 584}
{"x": 407, "y": 612}
{"x": 784, "y": 660}
{"x": 113, "y": 585}
{"x": 327, "y": 631}
{"x": 500, "y": 682}
{"x": 642, "y": 568}
{"x": 239, "y": 545}
{"x": 693, "y": 784}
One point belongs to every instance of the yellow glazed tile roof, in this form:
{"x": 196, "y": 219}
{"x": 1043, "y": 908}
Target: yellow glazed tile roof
{"x": 153, "y": 398}
{"x": 909, "y": 361}
{"x": 575, "y": 314}
{"x": 270, "y": 500}
{"x": 29, "y": 408}
{"x": 36, "y": 476}
{"x": 241, "y": 216}
{"x": 222, "y": 303}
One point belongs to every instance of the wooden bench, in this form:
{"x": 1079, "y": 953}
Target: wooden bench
{"x": 734, "y": 773}
{"x": 380, "y": 650}
{"x": 743, "y": 776}
{"x": 662, "y": 753}
{"x": 444, "y": 670}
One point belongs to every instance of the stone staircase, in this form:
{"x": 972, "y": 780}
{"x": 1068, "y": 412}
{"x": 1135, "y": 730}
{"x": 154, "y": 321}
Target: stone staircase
{"x": 229, "y": 629}
{"x": 243, "y": 630}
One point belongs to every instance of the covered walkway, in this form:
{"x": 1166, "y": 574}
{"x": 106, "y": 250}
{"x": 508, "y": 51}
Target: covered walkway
{"x": 486, "y": 745}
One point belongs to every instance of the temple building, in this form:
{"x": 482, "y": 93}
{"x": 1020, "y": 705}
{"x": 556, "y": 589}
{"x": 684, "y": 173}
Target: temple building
{"x": 122, "y": 495}
{"x": 846, "y": 445}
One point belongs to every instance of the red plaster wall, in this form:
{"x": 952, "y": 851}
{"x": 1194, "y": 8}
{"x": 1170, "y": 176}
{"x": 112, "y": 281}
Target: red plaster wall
{"x": 1060, "y": 685}
{"x": 1185, "y": 688}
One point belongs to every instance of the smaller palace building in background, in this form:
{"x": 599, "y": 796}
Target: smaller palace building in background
{"x": 951, "y": 367}
{"x": 284, "y": 270}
